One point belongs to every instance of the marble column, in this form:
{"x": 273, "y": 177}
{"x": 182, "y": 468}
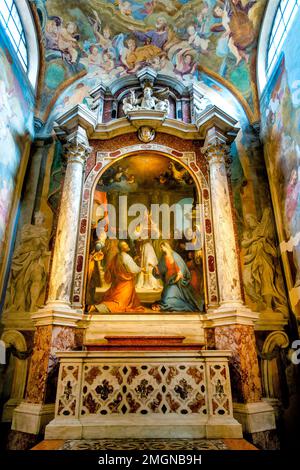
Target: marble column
{"x": 232, "y": 322}
{"x": 216, "y": 153}
{"x": 60, "y": 284}
{"x": 58, "y": 326}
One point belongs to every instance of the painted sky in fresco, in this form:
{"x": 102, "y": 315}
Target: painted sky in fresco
{"x": 108, "y": 39}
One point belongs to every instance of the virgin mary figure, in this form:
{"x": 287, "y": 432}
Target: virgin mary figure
{"x": 178, "y": 295}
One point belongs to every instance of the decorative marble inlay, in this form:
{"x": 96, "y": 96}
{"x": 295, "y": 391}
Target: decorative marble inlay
{"x": 145, "y": 389}
{"x": 68, "y": 385}
{"x": 218, "y": 378}
{"x": 113, "y": 387}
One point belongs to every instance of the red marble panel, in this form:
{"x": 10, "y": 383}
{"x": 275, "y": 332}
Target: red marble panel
{"x": 245, "y": 375}
{"x": 83, "y": 226}
{"x": 208, "y": 225}
{"x": 79, "y": 264}
{"x": 98, "y": 166}
{"x": 115, "y": 154}
{"x": 194, "y": 167}
{"x": 211, "y": 263}
{"x": 177, "y": 154}
{"x": 205, "y": 194}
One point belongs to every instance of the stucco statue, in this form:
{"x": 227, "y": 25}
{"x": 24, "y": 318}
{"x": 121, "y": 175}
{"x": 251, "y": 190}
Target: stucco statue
{"x": 28, "y": 270}
{"x": 129, "y": 102}
{"x": 157, "y": 101}
{"x": 261, "y": 270}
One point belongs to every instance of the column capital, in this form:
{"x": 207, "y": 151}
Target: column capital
{"x": 216, "y": 148}
{"x": 217, "y": 153}
{"x": 76, "y": 147}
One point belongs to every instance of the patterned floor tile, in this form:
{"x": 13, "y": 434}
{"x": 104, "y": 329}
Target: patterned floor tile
{"x": 142, "y": 444}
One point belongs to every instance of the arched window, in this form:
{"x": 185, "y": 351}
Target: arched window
{"x": 10, "y": 19}
{"x": 18, "y": 23}
{"x": 282, "y": 23}
{"x": 278, "y": 20}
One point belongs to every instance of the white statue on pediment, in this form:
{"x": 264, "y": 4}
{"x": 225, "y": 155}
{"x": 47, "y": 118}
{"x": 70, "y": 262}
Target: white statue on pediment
{"x": 157, "y": 101}
{"x": 129, "y": 102}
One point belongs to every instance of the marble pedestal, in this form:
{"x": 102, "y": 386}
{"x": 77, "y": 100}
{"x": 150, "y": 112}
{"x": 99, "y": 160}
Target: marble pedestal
{"x": 32, "y": 418}
{"x": 255, "y": 417}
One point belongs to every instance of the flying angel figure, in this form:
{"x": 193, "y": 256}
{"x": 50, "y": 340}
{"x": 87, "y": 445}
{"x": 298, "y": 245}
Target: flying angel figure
{"x": 102, "y": 33}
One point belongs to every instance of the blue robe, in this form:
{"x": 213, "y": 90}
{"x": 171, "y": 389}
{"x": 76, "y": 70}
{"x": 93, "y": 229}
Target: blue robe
{"x": 180, "y": 296}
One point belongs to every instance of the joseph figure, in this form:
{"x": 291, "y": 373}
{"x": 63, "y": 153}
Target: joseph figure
{"x": 121, "y": 273}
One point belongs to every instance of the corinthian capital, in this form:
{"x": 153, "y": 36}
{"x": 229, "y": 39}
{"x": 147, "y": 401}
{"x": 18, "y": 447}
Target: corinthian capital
{"x": 77, "y": 147}
{"x": 217, "y": 152}
{"x": 215, "y": 147}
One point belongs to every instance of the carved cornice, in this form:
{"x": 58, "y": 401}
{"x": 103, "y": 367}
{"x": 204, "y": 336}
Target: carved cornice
{"x": 80, "y": 116}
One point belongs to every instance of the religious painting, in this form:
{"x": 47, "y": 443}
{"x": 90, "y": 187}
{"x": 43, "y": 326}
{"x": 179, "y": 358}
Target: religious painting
{"x": 146, "y": 251}
{"x": 105, "y": 40}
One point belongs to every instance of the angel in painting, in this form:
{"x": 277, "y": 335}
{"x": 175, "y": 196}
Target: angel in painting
{"x": 102, "y": 34}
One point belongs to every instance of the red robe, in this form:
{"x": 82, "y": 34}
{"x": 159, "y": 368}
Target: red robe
{"x": 121, "y": 296}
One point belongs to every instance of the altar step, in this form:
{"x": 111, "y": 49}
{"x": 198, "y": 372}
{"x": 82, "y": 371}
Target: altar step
{"x": 143, "y": 343}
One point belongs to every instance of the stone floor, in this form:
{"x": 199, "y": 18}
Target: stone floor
{"x": 146, "y": 444}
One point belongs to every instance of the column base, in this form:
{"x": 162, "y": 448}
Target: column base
{"x": 230, "y": 314}
{"x": 32, "y": 418}
{"x": 8, "y": 409}
{"x": 58, "y": 315}
{"x": 255, "y": 417}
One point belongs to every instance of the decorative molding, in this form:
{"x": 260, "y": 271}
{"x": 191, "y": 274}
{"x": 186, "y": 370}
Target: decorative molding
{"x": 230, "y": 316}
{"x": 58, "y": 316}
{"x": 275, "y": 341}
{"x": 15, "y": 338}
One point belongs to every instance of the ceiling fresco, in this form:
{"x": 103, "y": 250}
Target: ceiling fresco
{"x": 104, "y": 40}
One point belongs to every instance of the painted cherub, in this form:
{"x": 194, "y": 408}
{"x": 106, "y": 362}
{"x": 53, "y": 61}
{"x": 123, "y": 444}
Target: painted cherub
{"x": 103, "y": 35}
{"x": 68, "y": 41}
{"x": 125, "y": 8}
{"x": 236, "y": 27}
{"x": 185, "y": 63}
